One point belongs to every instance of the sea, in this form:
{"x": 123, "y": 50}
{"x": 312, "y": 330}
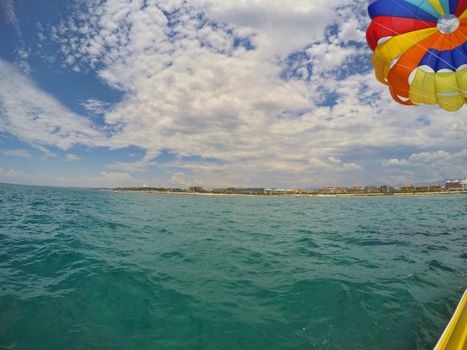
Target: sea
{"x": 94, "y": 269}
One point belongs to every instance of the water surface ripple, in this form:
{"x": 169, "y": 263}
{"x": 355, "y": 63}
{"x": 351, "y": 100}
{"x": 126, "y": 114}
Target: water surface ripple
{"x": 84, "y": 269}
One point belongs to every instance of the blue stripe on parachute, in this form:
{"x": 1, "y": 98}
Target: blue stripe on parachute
{"x": 448, "y": 59}
{"x": 398, "y": 8}
{"x": 452, "y": 6}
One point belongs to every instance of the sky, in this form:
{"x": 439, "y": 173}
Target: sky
{"x": 215, "y": 93}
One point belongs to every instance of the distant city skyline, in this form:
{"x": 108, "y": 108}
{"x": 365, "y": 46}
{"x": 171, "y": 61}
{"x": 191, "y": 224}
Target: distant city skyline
{"x": 453, "y": 183}
{"x": 109, "y": 93}
{"x": 449, "y": 186}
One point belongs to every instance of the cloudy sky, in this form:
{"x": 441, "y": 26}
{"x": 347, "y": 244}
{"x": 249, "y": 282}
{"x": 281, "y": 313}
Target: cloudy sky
{"x": 207, "y": 92}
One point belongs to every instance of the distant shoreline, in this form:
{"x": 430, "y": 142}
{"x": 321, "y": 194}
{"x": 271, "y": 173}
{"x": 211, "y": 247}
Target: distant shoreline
{"x": 343, "y": 195}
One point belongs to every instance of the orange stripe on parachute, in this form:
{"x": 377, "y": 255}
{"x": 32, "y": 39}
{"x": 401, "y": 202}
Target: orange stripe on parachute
{"x": 398, "y": 78}
{"x": 452, "y": 40}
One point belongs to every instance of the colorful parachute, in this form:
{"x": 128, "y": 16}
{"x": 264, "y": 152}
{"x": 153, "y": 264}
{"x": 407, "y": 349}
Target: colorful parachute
{"x": 420, "y": 50}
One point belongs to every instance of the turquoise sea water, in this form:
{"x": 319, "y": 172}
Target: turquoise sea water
{"x": 84, "y": 269}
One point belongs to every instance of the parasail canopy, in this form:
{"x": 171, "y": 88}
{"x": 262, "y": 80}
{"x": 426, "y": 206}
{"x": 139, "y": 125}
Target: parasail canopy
{"x": 420, "y": 50}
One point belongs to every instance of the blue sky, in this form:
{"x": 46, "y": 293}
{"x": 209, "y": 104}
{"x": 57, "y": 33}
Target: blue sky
{"x": 213, "y": 93}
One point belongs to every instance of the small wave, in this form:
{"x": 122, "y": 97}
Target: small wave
{"x": 438, "y": 265}
{"x": 308, "y": 242}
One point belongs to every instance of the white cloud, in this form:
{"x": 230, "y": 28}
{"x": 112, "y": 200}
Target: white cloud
{"x": 36, "y": 117}
{"x": 16, "y": 153}
{"x": 394, "y": 162}
{"x": 113, "y": 179}
{"x": 11, "y": 174}
{"x": 103, "y": 179}
{"x": 8, "y": 9}
{"x": 427, "y": 157}
{"x": 72, "y": 157}
{"x": 181, "y": 179}
{"x": 96, "y": 107}
{"x": 429, "y": 166}
{"x": 137, "y": 166}
{"x": 277, "y": 27}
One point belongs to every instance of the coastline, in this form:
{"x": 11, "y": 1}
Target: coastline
{"x": 343, "y": 195}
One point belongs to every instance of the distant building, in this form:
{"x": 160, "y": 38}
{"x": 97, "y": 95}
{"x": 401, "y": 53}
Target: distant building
{"x": 422, "y": 188}
{"x": 298, "y": 191}
{"x": 407, "y": 188}
{"x": 454, "y": 185}
{"x": 357, "y": 189}
{"x": 328, "y": 190}
{"x": 372, "y": 189}
{"x": 334, "y": 190}
{"x": 387, "y": 189}
{"x": 275, "y": 191}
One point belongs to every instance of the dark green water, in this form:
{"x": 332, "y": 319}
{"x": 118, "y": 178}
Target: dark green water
{"x": 83, "y": 269}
